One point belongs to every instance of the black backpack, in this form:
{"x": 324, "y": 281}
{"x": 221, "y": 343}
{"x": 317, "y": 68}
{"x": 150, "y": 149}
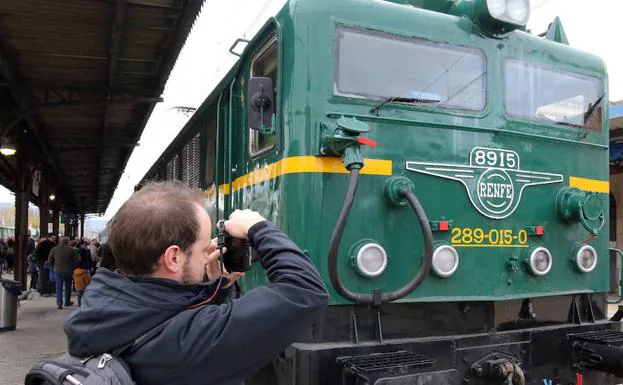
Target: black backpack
{"x": 104, "y": 369}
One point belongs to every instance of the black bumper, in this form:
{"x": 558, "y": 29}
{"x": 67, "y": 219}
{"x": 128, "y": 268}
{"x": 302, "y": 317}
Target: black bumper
{"x": 546, "y": 355}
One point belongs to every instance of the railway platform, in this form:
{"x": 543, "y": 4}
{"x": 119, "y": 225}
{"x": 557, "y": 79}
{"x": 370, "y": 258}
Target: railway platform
{"x": 39, "y": 335}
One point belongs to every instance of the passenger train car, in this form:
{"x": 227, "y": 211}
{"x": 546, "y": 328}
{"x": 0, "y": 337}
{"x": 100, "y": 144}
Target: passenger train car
{"x": 444, "y": 168}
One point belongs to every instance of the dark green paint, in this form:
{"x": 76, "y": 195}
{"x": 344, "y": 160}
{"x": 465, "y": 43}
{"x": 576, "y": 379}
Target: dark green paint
{"x": 587, "y": 208}
{"x": 393, "y": 187}
{"x": 556, "y": 32}
{"x": 306, "y": 205}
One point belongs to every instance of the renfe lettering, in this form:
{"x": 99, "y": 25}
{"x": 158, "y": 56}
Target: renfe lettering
{"x": 496, "y": 190}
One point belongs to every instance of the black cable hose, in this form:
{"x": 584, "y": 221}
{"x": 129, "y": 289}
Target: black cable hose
{"x": 336, "y": 238}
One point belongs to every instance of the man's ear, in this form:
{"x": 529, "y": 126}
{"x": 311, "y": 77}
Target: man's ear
{"x": 171, "y": 259}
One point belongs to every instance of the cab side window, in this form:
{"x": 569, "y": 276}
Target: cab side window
{"x": 264, "y": 64}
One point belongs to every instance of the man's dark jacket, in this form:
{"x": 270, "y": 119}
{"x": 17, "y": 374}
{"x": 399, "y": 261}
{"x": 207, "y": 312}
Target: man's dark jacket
{"x": 62, "y": 259}
{"x": 42, "y": 251}
{"x": 212, "y": 344}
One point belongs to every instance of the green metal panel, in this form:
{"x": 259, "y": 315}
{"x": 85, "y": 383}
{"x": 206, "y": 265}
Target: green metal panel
{"x": 311, "y": 202}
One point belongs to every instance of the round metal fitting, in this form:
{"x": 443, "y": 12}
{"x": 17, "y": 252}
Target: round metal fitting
{"x": 392, "y": 189}
{"x": 536, "y": 257}
{"x": 582, "y": 255}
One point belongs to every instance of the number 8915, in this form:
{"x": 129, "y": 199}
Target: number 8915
{"x": 494, "y": 158}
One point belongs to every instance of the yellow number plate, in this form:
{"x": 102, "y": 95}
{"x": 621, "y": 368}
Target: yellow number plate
{"x": 468, "y": 237}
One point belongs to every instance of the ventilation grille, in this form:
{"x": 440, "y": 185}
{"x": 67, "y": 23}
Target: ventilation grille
{"x": 604, "y": 337}
{"x": 191, "y": 163}
{"x": 372, "y": 366}
{"x": 173, "y": 168}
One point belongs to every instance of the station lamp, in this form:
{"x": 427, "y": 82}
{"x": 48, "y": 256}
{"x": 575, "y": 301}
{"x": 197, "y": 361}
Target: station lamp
{"x": 52, "y": 197}
{"x": 7, "y": 148}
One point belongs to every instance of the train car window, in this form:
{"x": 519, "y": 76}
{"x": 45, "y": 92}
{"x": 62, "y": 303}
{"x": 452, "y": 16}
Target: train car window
{"x": 191, "y": 163}
{"x": 264, "y": 64}
{"x": 378, "y": 65}
{"x": 541, "y": 93}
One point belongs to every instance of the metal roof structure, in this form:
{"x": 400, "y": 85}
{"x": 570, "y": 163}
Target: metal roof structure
{"x": 78, "y": 82}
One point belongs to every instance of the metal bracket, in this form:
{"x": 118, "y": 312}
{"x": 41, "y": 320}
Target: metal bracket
{"x": 233, "y": 46}
{"x": 376, "y": 304}
{"x": 354, "y": 332}
{"x": 527, "y": 310}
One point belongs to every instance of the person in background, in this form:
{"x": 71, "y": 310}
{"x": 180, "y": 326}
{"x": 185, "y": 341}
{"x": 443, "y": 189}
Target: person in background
{"x": 93, "y": 251}
{"x": 30, "y": 246}
{"x": 82, "y": 277}
{"x": 107, "y": 258}
{"x": 32, "y": 270}
{"x": 10, "y": 252}
{"x": 62, "y": 260}
{"x": 42, "y": 252}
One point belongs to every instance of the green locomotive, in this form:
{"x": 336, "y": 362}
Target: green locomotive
{"x": 446, "y": 171}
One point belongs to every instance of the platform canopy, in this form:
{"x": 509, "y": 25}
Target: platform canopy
{"x": 78, "y": 82}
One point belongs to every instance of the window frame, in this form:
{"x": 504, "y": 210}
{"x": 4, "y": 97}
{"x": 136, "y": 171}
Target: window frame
{"x": 253, "y": 135}
{"x": 560, "y": 70}
{"x": 340, "y": 25}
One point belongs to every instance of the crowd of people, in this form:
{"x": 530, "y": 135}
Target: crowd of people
{"x": 55, "y": 264}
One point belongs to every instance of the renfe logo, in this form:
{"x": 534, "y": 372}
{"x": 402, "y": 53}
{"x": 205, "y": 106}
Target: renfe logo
{"x": 493, "y": 179}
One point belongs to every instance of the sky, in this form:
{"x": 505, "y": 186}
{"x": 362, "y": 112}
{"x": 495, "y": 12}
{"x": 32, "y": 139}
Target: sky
{"x": 205, "y": 59}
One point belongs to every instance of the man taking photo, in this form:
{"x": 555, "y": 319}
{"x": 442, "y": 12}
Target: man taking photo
{"x": 161, "y": 238}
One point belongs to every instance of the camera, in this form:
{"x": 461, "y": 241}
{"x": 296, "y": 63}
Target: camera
{"x": 238, "y": 256}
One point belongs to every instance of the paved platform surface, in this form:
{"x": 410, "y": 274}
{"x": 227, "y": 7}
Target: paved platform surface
{"x": 39, "y": 335}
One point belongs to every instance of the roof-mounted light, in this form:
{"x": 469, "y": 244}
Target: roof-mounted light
{"x": 514, "y": 12}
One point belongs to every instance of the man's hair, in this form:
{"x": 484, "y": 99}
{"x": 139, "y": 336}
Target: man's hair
{"x": 64, "y": 240}
{"x": 159, "y": 215}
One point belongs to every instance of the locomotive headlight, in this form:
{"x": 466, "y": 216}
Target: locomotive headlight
{"x": 514, "y": 12}
{"x": 496, "y": 7}
{"x": 539, "y": 260}
{"x": 586, "y": 258}
{"x": 518, "y": 10}
{"x": 445, "y": 260}
{"x": 371, "y": 260}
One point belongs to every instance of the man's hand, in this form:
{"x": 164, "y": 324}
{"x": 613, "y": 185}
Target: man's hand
{"x": 240, "y": 221}
{"x": 213, "y": 265}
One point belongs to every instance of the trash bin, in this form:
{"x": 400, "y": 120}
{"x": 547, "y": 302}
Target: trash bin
{"x": 9, "y": 290}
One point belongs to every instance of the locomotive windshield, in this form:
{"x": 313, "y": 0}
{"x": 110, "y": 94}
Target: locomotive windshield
{"x": 536, "y": 92}
{"x": 377, "y": 65}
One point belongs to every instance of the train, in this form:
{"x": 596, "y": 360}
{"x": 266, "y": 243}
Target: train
{"x": 7, "y": 232}
{"x": 445, "y": 169}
